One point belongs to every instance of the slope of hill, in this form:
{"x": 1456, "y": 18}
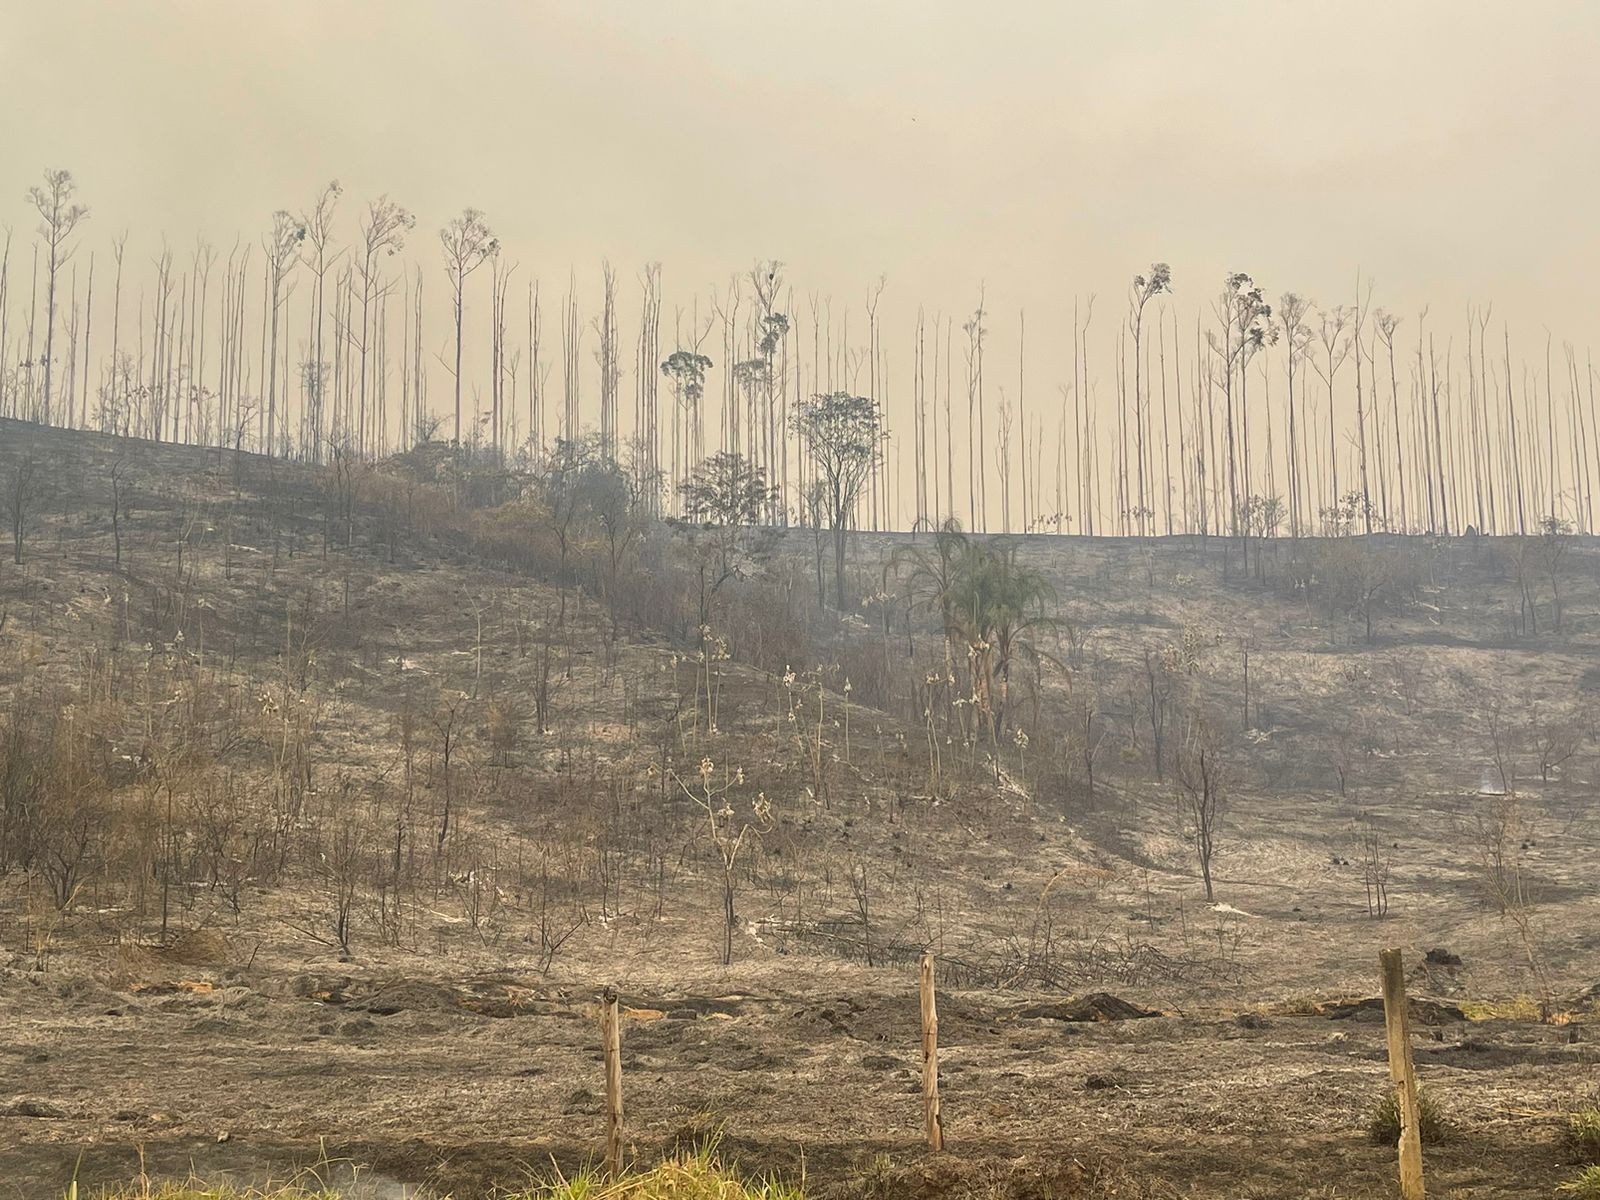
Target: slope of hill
{"x": 332, "y": 794}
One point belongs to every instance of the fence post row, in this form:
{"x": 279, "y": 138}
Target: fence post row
{"x": 1402, "y": 1070}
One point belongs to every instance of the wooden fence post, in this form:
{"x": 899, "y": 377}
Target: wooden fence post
{"x": 930, "y": 1057}
{"x": 611, "y": 1035}
{"x": 1402, "y": 1072}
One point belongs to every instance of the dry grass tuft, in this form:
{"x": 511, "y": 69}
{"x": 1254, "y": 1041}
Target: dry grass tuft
{"x": 1384, "y": 1127}
{"x": 310, "y": 1183}
{"x": 194, "y": 1190}
{"x": 1518, "y": 1008}
{"x": 695, "y": 1175}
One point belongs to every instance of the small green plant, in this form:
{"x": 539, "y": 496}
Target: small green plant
{"x": 1585, "y": 1184}
{"x": 1583, "y": 1136}
{"x": 1384, "y": 1127}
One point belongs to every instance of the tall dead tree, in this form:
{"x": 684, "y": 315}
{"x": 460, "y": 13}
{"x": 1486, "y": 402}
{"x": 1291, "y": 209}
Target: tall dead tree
{"x": 59, "y": 217}
{"x": 1243, "y": 315}
{"x": 383, "y": 233}
{"x": 282, "y": 246}
{"x": 6, "y": 405}
{"x": 571, "y": 342}
{"x": 977, "y": 475}
{"x": 468, "y": 243}
{"x": 1335, "y": 349}
{"x": 608, "y": 359}
{"x": 1292, "y": 311}
{"x": 502, "y": 360}
{"x": 88, "y": 330}
{"x": 1387, "y": 323}
{"x": 318, "y": 225}
{"x": 646, "y": 417}
{"x": 770, "y": 330}
{"x": 1145, "y": 289}
{"x": 538, "y": 371}
{"x": 1358, "y": 316}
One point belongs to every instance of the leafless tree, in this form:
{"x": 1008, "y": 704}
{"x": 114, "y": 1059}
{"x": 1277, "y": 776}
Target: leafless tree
{"x": 1201, "y": 776}
{"x": 282, "y": 246}
{"x": 1502, "y": 833}
{"x": 1145, "y": 289}
{"x": 121, "y": 492}
{"x": 1555, "y": 541}
{"x": 1377, "y": 861}
{"x": 318, "y": 224}
{"x": 977, "y": 473}
{"x": 383, "y": 232}
{"x": 24, "y": 491}
{"x": 59, "y": 217}
{"x": 468, "y": 243}
{"x": 1244, "y": 317}
{"x": 1292, "y": 310}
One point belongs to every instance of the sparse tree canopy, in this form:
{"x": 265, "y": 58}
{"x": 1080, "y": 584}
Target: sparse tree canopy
{"x": 844, "y": 436}
{"x": 687, "y": 370}
{"x": 726, "y": 498}
{"x": 727, "y": 490}
{"x": 1147, "y": 287}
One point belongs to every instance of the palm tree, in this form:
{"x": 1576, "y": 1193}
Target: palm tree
{"x": 931, "y": 579}
{"x": 1000, "y": 607}
{"x": 931, "y": 583}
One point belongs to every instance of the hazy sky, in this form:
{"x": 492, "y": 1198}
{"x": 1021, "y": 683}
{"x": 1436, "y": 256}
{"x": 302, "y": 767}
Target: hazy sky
{"x": 1451, "y": 149}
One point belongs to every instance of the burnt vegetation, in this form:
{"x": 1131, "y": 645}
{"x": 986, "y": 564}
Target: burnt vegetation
{"x": 757, "y": 682}
{"x": 380, "y": 704}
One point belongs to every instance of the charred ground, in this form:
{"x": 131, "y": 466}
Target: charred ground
{"x": 334, "y": 792}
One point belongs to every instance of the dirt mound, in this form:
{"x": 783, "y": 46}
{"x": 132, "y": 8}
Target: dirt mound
{"x": 1422, "y": 1012}
{"x": 486, "y": 998}
{"x": 326, "y": 989}
{"x": 172, "y": 987}
{"x": 26, "y": 1107}
{"x": 680, "y": 1008}
{"x": 1097, "y": 1006}
{"x": 198, "y": 948}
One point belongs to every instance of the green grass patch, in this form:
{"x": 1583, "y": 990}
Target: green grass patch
{"x": 1585, "y": 1185}
{"x": 1582, "y": 1136}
